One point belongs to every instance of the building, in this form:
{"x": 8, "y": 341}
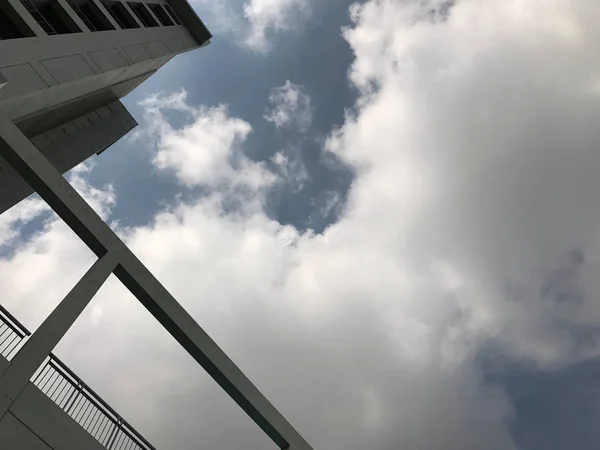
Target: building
{"x": 64, "y": 65}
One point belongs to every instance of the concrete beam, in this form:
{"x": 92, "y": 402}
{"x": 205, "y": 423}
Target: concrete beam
{"x": 41, "y": 343}
{"x": 27, "y": 18}
{"x": 153, "y": 15}
{"x": 67, "y": 203}
{"x": 172, "y": 316}
{"x": 73, "y": 16}
{"x": 134, "y": 15}
{"x": 42, "y": 176}
{"x": 106, "y": 14}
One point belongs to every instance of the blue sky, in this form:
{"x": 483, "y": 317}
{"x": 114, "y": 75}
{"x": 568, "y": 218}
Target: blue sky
{"x": 384, "y": 211}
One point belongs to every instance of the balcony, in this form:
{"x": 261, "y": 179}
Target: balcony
{"x": 71, "y": 394}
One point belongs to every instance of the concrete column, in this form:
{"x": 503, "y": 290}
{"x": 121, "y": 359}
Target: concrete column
{"x": 41, "y": 343}
{"x": 27, "y": 18}
{"x": 73, "y": 15}
{"x": 135, "y": 17}
{"x": 43, "y": 177}
{"x": 106, "y": 14}
{"x": 153, "y": 15}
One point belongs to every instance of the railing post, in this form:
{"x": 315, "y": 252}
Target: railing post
{"x": 74, "y": 395}
{"x": 113, "y": 437}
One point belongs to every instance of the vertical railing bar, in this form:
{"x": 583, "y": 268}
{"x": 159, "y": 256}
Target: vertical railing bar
{"x": 109, "y": 434}
{"x": 6, "y": 329}
{"x": 119, "y": 443}
{"x": 53, "y": 387}
{"x": 92, "y": 424}
{"x": 102, "y": 434}
{"x": 4, "y": 346}
{"x": 122, "y": 440}
{"x": 85, "y": 416}
{"x": 102, "y": 427}
{"x": 36, "y": 376}
{"x": 51, "y": 392}
{"x": 118, "y": 440}
{"x": 47, "y": 377}
{"x": 10, "y": 354}
{"x": 50, "y": 382}
{"x": 70, "y": 399}
{"x": 96, "y": 425}
{"x": 114, "y": 435}
{"x": 74, "y": 397}
{"x": 59, "y": 390}
{"x": 16, "y": 349}
{"x": 4, "y": 338}
{"x": 14, "y": 338}
{"x": 98, "y": 432}
{"x": 66, "y": 397}
{"x": 90, "y": 417}
{"x": 82, "y": 411}
{"x": 84, "y": 407}
{"x": 59, "y": 399}
{"x": 121, "y": 437}
{"x": 76, "y": 404}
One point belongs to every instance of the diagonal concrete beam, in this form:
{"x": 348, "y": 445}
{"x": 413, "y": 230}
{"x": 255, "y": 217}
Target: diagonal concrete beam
{"x": 68, "y": 204}
{"x": 41, "y": 343}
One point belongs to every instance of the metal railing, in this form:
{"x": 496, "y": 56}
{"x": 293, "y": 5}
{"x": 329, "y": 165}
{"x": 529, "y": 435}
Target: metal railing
{"x": 71, "y": 394}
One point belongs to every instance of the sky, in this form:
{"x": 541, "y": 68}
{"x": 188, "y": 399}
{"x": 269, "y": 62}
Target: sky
{"x": 384, "y": 211}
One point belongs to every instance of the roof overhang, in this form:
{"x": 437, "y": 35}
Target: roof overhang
{"x": 191, "y": 21}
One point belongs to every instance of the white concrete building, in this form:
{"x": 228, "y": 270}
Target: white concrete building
{"x": 64, "y": 65}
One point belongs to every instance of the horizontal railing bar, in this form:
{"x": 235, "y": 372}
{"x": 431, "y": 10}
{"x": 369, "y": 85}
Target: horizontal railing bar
{"x": 126, "y": 426}
{"x": 14, "y": 323}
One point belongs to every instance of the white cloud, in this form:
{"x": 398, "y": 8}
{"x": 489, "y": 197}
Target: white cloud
{"x": 475, "y": 146}
{"x": 24, "y": 212}
{"x": 206, "y": 151}
{"x": 289, "y": 106}
{"x": 291, "y": 169}
{"x": 254, "y": 24}
{"x": 473, "y": 142}
{"x": 101, "y": 200}
{"x": 267, "y": 17}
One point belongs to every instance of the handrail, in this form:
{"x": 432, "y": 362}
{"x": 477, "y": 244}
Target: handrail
{"x": 72, "y": 395}
{"x": 14, "y": 323}
{"x": 128, "y": 427}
